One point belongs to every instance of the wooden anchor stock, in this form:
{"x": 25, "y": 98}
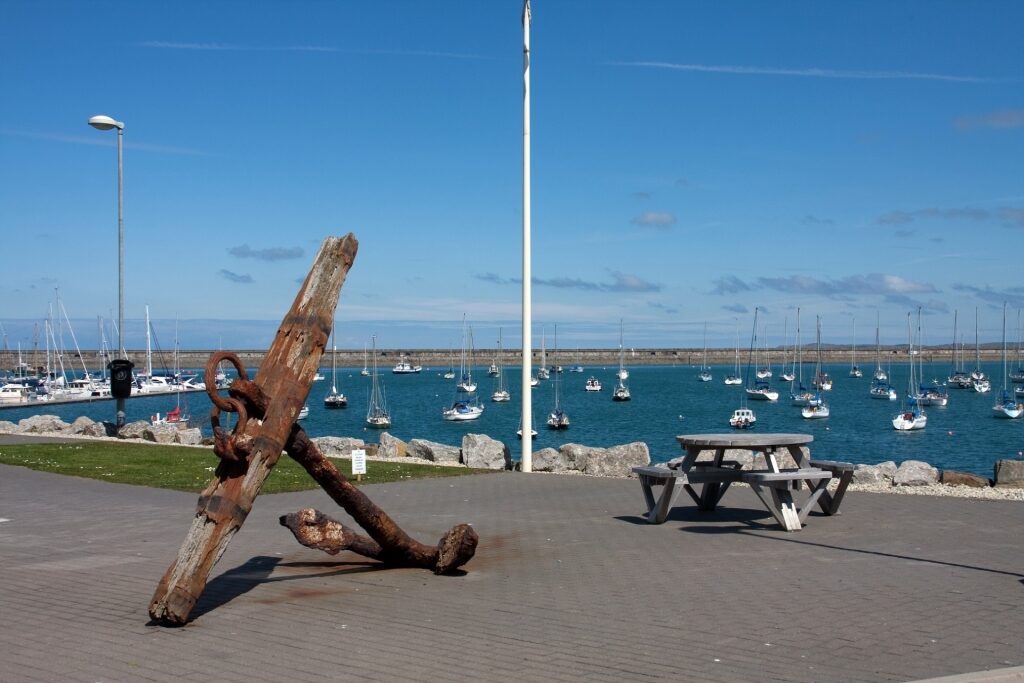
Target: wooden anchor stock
{"x": 268, "y": 408}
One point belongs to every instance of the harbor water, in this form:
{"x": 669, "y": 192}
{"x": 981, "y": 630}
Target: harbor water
{"x": 666, "y": 401}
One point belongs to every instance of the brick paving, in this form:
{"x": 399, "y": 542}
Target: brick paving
{"x": 568, "y": 584}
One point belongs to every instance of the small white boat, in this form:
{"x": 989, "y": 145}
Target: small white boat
{"x": 742, "y": 418}
{"x": 173, "y": 417}
{"x": 404, "y": 367}
{"x": 593, "y": 384}
{"x": 318, "y": 377}
{"x": 304, "y": 412}
{"x": 732, "y": 379}
{"x": 621, "y": 392}
{"x": 910, "y": 420}
{"x": 882, "y": 390}
{"x": 13, "y": 394}
{"x": 462, "y": 410}
{"x": 981, "y": 385}
{"x": 815, "y": 411}
{"x": 762, "y": 392}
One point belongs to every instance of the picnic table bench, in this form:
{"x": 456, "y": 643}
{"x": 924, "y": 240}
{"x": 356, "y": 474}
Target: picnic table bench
{"x": 774, "y": 485}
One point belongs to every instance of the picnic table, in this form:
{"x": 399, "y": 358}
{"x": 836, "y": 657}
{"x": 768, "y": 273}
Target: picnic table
{"x": 773, "y": 484}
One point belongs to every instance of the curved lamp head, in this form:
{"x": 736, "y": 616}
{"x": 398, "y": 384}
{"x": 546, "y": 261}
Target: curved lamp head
{"x": 105, "y": 123}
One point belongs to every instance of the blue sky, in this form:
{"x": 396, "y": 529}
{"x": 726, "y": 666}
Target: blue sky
{"x": 691, "y": 161}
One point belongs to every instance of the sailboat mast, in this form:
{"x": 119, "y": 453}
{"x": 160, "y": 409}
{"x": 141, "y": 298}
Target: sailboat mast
{"x": 527, "y": 455}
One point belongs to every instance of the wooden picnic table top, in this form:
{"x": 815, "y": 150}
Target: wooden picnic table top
{"x": 746, "y": 440}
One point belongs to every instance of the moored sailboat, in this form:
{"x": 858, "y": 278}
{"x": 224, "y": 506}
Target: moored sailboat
{"x": 334, "y": 398}
{"x": 621, "y": 391}
{"x": 914, "y": 418}
{"x": 705, "y": 373}
{"x": 1006, "y": 406}
{"x": 377, "y": 414}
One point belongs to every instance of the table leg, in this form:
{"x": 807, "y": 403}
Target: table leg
{"x": 657, "y": 509}
{"x": 781, "y": 504}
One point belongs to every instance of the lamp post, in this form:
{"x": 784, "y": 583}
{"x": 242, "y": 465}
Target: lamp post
{"x": 107, "y": 123}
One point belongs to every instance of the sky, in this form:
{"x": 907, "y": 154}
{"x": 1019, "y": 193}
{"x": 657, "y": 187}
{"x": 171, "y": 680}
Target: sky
{"x": 690, "y": 161}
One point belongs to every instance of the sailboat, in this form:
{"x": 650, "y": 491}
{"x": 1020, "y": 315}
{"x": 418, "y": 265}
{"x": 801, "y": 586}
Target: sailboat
{"x": 450, "y": 372}
{"x": 734, "y": 377}
{"x": 621, "y": 391}
{"x": 761, "y": 389}
{"x": 787, "y": 375}
{"x": 1006, "y": 406}
{"x": 933, "y": 394}
{"x": 822, "y": 381}
{"x": 500, "y": 393}
{"x": 365, "y": 372}
{"x": 542, "y": 370}
{"x": 879, "y": 374}
{"x": 816, "y": 406}
{"x": 914, "y": 418}
{"x": 558, "y": 419}
{"x": 1017, "y": 375}
{"x": 958, "y": 376}
{"x": 466, "y": 383}
{"x": 765, "y": 371}
{"x": 577, "y": 367}
{"x": 799, "y": 395}
{"x": 705, "y": 373}
{"x": 334, "y": 398}
{"x": 979, "y": 381}
{"x": 174, "y": 416}
{"x": 468, "y": 407}
{"x": 855, "y": 370}
{"x": 377, "y": 414}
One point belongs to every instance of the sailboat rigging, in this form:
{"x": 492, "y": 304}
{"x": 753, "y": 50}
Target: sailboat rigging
{"x": 377, "y": 415}
{"x": 621, "y": 391}
{"x": 705, "y": 372}
{"x": 1006, "y": 406}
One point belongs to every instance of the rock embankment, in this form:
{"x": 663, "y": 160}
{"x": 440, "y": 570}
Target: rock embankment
{"x": 482, "y": 452}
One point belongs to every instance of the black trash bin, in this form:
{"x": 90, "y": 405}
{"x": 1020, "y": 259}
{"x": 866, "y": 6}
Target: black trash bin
{"x": 120, "y": 378}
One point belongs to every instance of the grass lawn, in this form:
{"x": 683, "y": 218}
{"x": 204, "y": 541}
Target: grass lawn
{"x": 188, "y": 469}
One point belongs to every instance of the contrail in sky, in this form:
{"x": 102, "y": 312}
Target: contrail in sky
{"x": 813, "y": 72}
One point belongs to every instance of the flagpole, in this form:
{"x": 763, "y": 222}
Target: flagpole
{"x": 527, "y": 360}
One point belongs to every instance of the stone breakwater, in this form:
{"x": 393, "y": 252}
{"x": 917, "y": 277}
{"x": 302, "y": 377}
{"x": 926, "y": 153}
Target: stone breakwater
{"x": 911, "y": 477}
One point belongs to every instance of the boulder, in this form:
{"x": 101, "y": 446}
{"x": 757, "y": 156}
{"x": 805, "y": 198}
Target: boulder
{"x": 954, "y": 478}
{"x": 881, "y": 473}
{"x": 549, "y": 460}
{"x": 391, "y": 447}
{"x": 338, "y": 446}
{"x": 42, "y": 424}
{"x": 133, "y": 430}
{"x": 7, "y": 427}
{"x": 87, "y": 427}
{"x": 915, "y": 473}
{"x": 616, "y": 461}
{"x": 162, "y": 433}
{"x": 481, "y": 451}
{"x": 192, "y": 436}
{"x": 1009, "y": 473}
{"x": 435, "y": 452}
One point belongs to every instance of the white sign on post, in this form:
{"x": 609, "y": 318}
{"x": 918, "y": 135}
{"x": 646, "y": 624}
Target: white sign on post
{"x": 359, "y": 462}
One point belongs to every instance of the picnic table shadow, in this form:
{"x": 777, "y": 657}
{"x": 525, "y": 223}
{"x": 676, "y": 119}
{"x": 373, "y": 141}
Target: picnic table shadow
{"x": 257, "y": 571}
{"x": 721, "y": 520}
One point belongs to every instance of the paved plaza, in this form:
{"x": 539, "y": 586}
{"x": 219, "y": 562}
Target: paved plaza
{"x": 568, "y": 584}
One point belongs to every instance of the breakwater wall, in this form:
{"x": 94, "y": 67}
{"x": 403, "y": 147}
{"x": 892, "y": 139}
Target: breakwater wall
{"x": 441, "y": 358}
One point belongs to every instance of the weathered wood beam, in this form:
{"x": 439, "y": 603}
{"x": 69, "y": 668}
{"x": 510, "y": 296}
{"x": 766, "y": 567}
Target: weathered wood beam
{"x": 285, "y": 376}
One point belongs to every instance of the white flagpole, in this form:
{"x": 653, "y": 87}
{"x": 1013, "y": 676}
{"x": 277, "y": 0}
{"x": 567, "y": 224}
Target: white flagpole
{"x": 527, "y": 361}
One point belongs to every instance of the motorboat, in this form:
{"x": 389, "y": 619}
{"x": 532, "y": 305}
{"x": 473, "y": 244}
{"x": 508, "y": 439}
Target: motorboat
{"x": 303, "y": 412}
{"x": 593, "y": 384}
{"x": 742, "y": 418}
{"x": 463, "y": 409}
{"x": 404, "y": 367}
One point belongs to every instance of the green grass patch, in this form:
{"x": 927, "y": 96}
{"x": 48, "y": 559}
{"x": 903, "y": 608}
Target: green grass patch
{"x": 189, "y": 469}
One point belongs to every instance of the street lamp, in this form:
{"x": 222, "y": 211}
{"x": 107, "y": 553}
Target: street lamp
{"x": 107, "y": 123}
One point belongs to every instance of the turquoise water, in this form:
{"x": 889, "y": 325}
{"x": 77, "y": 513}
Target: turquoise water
{"x": 667, "y": 401}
